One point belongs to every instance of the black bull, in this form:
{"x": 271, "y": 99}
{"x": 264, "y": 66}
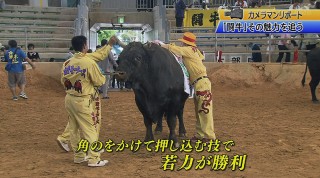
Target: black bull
{"x": 313, "y": 63}
{"x": 157, "y": 82}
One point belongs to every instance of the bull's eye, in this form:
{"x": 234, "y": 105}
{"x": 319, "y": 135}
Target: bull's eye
{"x": 138, "y": 59}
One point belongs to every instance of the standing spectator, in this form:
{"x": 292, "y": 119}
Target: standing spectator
{"x": 34, "y": 56}
{"x": 107, "y": 67}
{"x": 241, "y": 3}
{"x": 119, "y": 84}
{"x": 256, "y": 56}
{"x": 180, "y": 8}
{"x": 284, "y": 45}
{"x": 16, "y": 75}
{"x": 117, "y": 50}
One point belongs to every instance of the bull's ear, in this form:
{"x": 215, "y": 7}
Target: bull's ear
{"x": 149, "y": 47}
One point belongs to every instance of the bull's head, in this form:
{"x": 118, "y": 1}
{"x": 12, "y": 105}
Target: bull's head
{"x": 132, "y": 62}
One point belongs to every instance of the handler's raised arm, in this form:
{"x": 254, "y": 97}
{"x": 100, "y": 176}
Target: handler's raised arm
{"x": 103, "y": 52}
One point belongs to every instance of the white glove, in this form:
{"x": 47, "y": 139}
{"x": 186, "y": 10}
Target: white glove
{"x": 158, "y": 42}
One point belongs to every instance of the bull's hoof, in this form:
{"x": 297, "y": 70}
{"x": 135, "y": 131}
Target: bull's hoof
{"x": 182, "y": 135}
{"x": 157, "y": 132}
{"x": 315, "y": 101}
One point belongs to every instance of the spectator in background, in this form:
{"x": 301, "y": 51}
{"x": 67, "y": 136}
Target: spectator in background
{"x": 255, "y": 3}
{"x": 204, "y": 5}
{"x": 2, "y": 4}
{"x": 311, "y": 5}
{"x": 241, "y": 3}
{"x": 180, "y": 8}
{"x": 296, "y": 4}
{"x": 119, "y": 84}
{"x": 16, "y": 75}
{"x": 256, "y": 56}
{"x": 70, "y": 53}
{"x": 284, "y": 45}
{"x": 34, "y": 56}
{"x": 318, "y": 5}
{"x": 4, "y": 50}
{"x": 107, "y": 67}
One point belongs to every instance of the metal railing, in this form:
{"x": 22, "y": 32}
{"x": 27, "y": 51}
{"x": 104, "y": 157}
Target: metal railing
{"x": 217, "y": 3}
{"x": 223, "y": 42}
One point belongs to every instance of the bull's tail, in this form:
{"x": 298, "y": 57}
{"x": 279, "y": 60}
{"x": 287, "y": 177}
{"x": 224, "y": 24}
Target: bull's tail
{"x": 304, "y": 76}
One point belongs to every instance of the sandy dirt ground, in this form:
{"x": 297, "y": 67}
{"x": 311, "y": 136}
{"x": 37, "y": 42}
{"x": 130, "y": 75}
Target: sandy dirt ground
{"x": 276, "y": 127}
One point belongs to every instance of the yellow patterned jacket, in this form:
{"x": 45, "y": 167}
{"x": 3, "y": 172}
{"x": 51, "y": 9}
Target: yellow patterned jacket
{"x": 81, "y": 74}
{"x": 192, "y": 59}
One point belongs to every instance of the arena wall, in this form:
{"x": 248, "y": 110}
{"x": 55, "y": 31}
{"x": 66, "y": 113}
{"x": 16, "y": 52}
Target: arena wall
{"x": 227, "y": 74}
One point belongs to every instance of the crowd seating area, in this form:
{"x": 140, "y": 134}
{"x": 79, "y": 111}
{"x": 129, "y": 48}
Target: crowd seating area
{"x": 49, "y": 29}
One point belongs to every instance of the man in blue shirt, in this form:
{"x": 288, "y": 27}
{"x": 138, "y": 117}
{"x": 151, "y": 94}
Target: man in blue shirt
{"x": 180, "y": 8}
{"x": 16, "y": 76}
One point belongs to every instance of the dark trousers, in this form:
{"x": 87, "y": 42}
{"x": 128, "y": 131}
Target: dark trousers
{"x": 128, "y": 84}
{"x": 283, "y": 47}
{"x": 310, "y": 46}
{"x": 179, "y": 22}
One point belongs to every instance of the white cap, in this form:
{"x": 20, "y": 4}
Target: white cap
{"x": 1, "y": 46}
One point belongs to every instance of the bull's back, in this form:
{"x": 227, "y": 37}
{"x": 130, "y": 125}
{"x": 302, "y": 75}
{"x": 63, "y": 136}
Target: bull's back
{"x": 169, "y": 70}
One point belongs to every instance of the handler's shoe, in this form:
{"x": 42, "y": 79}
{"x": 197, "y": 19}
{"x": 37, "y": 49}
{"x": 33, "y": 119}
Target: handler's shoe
{"x": 15, "y": 98}
{"x": 78, "y": 161}
{"x": 63, "y": 145}
{"x": 194, "y": 139}
{"x": 99, "y": 163}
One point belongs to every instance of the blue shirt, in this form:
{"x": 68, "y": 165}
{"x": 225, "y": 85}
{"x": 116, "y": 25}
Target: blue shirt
{"x": 16, "y": 60}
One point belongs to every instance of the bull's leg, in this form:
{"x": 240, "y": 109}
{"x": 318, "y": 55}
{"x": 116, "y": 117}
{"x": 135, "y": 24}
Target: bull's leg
{"x": 171, "y": 121}
{"x": 313, "y": 85}
{"x": 149, "y": 134}
{"x": 158, "y": 129}
{"x": 182, "y": 129}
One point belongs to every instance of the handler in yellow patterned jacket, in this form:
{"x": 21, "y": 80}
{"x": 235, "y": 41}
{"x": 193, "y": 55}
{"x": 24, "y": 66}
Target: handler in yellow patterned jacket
{"x": 81, "y": 76}
{"x": 192, "y": 59}
{"x": 64, "y": 138}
